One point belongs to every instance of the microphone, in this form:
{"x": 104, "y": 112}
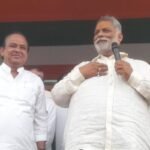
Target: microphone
{"x": 115, "y": 49}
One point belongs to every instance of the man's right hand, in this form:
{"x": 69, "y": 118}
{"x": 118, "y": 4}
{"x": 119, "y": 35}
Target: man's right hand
{"x": 93, "y": 69}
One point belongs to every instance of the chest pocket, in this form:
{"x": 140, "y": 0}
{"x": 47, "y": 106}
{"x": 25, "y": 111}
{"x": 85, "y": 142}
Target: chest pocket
{"x": 27, "y": 93}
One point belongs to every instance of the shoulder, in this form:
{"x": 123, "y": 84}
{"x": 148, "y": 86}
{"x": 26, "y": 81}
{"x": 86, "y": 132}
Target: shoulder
{"x": 138, "y": 61}
{"x": 81, "y": 64}
{"x": 139, "y": 65}
{"x": 32, "y": 77}
{"x": 30, "y": 74}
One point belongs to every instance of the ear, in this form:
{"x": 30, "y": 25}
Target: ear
{"x": 120, "y": 37}
{"x": 1, "y": 51}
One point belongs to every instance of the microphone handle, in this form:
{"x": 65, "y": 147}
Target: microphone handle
{"x": 117, "y": 54}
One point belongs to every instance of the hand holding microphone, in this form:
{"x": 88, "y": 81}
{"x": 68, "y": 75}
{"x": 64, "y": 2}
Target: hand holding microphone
{"x": 122, "y": 68}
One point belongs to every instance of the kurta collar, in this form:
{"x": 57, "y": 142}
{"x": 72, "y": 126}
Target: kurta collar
{"x": 122, "y": 54}
{"x": 6, "y": 68}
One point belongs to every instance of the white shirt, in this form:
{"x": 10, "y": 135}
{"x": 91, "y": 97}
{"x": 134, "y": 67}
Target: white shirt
{"x": 106, "y": 112}
{"x": 23, "y": 117}
{"x": 51, "y": 109}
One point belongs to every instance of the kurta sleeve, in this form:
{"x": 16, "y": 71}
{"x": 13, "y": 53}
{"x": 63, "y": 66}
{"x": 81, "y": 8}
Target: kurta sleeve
{"x": 65, "y": 88}
{"x": 141, "y": 81}
{"x": 40, "y": 121}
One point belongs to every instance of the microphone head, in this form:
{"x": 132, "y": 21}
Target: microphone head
{"x": 115, "y": 49}
{"x": 115, "y": 45}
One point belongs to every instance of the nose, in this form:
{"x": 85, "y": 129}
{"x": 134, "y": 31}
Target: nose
{"x": 17, "y": 49}
{"x": 99, "y": 35}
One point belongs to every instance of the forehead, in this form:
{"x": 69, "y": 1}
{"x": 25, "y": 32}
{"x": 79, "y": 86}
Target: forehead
{"x": 16, "y": 38}
{"x": 104, "y": 24}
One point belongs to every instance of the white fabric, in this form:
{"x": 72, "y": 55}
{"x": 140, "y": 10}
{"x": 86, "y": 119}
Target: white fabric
{"x": 22, "y": 110}
{"x": 106, "y": 112}
{"x": 51, "y": 109}
{"x": 60, "y": 126}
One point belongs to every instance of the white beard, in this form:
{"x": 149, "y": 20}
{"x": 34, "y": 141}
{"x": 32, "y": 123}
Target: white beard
{"x": 103, "y": 46}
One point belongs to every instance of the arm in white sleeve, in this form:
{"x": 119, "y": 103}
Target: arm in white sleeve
{"x": 40, "y": 121}
{"x": 141, "y": 84}
{"x": 65, "y": 88}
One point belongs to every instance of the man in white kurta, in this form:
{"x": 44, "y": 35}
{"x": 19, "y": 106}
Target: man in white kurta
{"x": 23, "y": 117}
{"x": 108, "y": 100}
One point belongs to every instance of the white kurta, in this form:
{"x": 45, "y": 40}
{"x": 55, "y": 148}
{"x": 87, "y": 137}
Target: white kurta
{"x": 60, "y": 126}
{"x": 23, "y": 117}
{"x": 106, "y": 112}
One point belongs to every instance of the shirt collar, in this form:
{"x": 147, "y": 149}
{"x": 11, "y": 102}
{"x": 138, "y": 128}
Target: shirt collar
{"x": 122, "y": 54}
{"x": 7, "y": 68}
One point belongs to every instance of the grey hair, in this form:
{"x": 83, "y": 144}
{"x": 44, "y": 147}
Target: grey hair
{"x": 12, "y": 33}
{"x": 113, "y": 20}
